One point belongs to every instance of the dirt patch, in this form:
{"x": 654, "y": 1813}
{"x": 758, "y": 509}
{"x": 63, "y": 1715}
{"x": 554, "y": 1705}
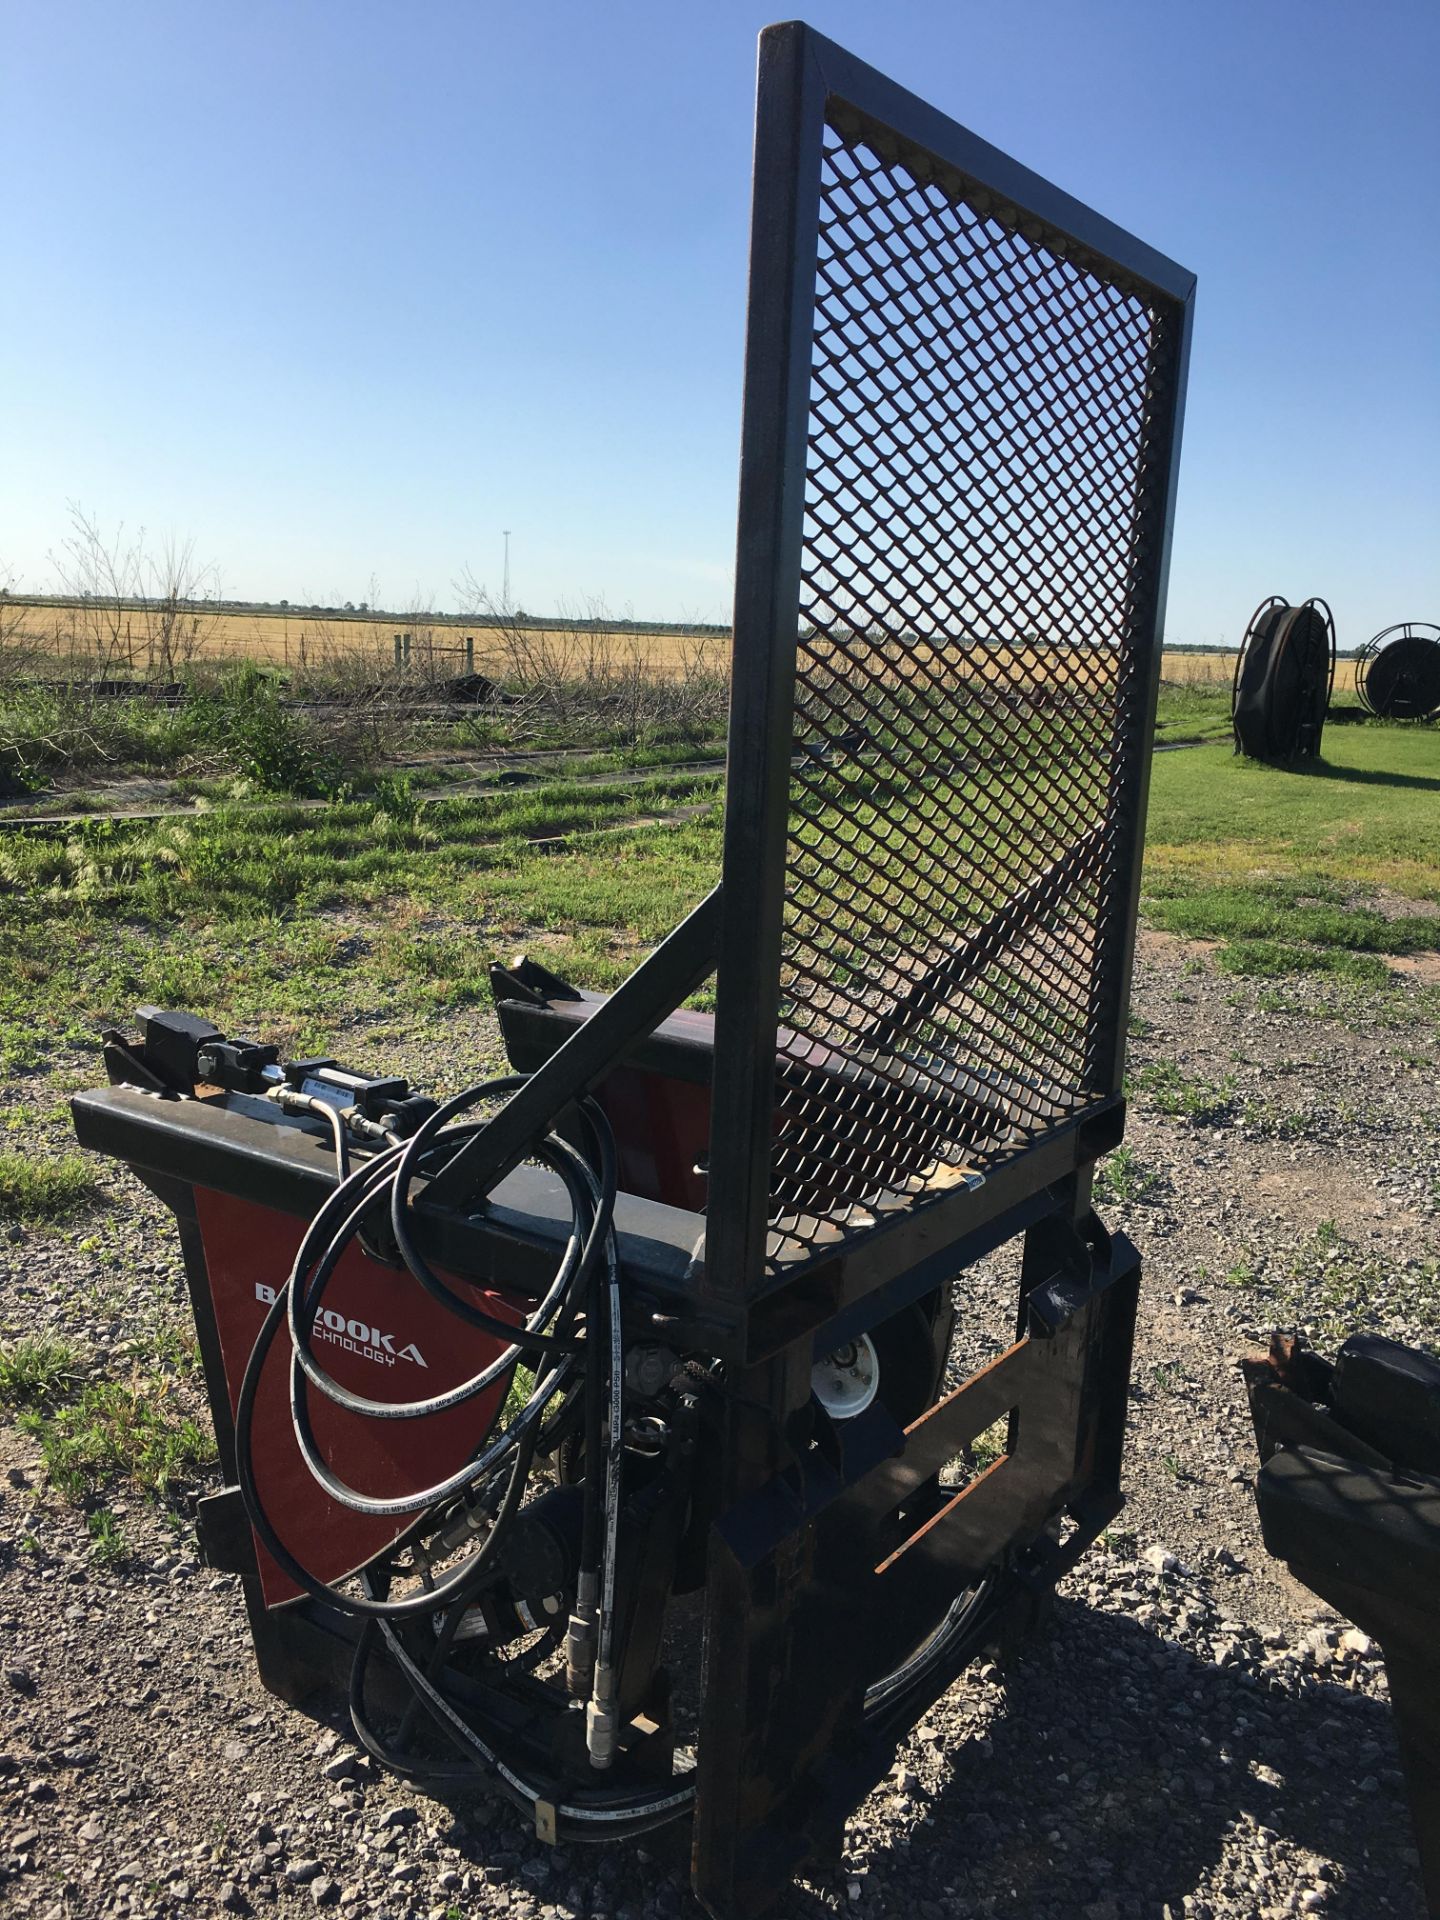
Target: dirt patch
{"x": 1152, "y": 944}
{"x": 1421, "y": 967}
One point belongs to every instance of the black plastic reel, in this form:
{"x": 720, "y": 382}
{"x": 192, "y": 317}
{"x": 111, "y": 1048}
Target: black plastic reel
{"x": 1283, "y": 680}
{"x": 1397, "y": 674}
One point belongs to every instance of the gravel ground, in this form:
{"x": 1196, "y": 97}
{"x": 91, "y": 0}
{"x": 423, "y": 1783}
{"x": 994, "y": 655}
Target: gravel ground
{"x": 1193, "y": 1734}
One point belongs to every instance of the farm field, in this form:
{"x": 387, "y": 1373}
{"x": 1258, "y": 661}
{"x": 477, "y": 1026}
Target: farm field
{"x": 1282, "y": 1166}
{"x": 305, "y": 639}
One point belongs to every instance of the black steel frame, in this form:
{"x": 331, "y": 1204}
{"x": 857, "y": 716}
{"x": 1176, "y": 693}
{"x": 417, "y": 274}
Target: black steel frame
{"x": 736, "y": 931}
{"x": 785, "y": 1748}
{"x": 803, "y": 78}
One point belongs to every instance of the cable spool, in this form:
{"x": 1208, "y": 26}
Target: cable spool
{"x": 1283, "y": 678}
{"x": 1397, "y": 674}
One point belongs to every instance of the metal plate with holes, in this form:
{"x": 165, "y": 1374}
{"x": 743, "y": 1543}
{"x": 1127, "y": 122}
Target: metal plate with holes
{"x": 962, "y": 403}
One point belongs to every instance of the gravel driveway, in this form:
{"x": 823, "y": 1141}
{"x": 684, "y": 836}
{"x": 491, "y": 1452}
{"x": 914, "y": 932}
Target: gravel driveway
{"x": 1192, "y": 1735}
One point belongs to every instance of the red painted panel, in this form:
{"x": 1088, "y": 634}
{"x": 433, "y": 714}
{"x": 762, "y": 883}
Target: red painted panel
{"x": 384, "y": 1337}
{"x": 662, "y": 1133}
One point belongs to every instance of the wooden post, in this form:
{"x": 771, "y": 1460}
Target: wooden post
{"x": 469, "y": 653}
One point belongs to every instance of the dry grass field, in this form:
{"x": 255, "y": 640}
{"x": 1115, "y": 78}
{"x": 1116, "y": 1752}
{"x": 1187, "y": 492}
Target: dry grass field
{"x": 1216, "y": 669}
{"x": 152, "y": 639}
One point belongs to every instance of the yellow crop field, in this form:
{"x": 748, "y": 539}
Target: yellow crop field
{"x": 153, "y": 640}
{"x": 1218, "y": 669}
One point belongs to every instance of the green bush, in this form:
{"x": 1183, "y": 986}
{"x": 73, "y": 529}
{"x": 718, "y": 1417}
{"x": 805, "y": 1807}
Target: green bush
{"x": 276, "y": 747}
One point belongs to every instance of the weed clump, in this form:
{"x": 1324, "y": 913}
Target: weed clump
{"x": 1181, "y": 1096}
{"x": 278, "y": 749}
{"x": 132, "y": 1430}
{"x": 1123, "y": 1178}
{"x": 37, "y": 1374}
{"x": 32, "y": 1188}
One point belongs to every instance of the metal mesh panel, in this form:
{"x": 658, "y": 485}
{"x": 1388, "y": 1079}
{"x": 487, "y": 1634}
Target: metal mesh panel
{"x": 970, "y": 690}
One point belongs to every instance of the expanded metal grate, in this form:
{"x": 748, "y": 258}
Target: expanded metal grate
{"x": 976, "y": 608}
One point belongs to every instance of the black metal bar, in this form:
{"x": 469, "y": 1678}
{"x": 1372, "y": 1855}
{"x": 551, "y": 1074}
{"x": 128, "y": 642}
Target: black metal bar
{"x": 1072, "y": 229}
{"x": 783, "y": 248}
{"x": 1151, "y": 582}
{"x": 682, "y": 961}
{"x": 1014, "y": 919}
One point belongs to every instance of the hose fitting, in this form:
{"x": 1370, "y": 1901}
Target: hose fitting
{"x": 580, "y": 1636}
{"x": 602, "y": 1719}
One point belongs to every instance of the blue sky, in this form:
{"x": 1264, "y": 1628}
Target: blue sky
{"x": 342, "y": 290}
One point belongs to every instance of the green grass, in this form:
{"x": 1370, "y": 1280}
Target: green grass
{"x": 1271, "y": 1120}
{"x": 1292, "y": 907}
{"x": 93, "y": 1433}
{"x": 120, "y": 1430}
{"x": 298, "y": 922}
{"x": 1282, "y": 867}
{"x": 1122, "y": 1176}
{"x": 1165, "y": 1088}
{"x": 34, "y": 1188}
{"x": 1192, "y": 712}
{"x": 108, "y": 1544}
{"x": 1269, "y": 959}
{"x": 36, "y": 1374}
{"x": 988, "y": 1447}
{"x": 1366, "y": 815}
{"x": 1331, "y": 1286}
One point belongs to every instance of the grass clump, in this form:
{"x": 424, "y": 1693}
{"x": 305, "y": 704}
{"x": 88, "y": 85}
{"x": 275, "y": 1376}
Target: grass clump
{"x": 1270, "y": 1120}
{"x": 1182, "y": 1096}
{"x": 93, "y": 1433}
{"x": 108, "y": 1544}
{"x": 37, "y": 1374}
{"x": 1269, "y": 959}
{"x": 134, "y": 1430}
{"x": 36, "y": 1188}
{"x": 1297, "y": 908}
{"x": 1122, "y": 1177}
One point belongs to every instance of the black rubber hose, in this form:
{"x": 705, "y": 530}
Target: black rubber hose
{"x": 359, "y": 1605}
{"x": 594, "y": 1208}
{"x": 420, "y": 1144}
{"x": 334, "y": 1226}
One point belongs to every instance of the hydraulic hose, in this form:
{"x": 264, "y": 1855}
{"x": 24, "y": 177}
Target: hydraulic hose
{"x": 547, "y": 1333}
{"x": 565, "y": 1354}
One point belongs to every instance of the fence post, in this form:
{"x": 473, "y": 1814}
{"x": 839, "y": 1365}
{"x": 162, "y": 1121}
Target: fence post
{"x": 397, "y": 653}
{"x": 406, "y": 638}
{"x": 469, "y": 653}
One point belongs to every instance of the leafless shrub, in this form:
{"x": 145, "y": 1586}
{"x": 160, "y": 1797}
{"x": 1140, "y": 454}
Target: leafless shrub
{"x": 20, "y": 650}
{"x": 587, "y": 676}
{"x": 133, "y": 610}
